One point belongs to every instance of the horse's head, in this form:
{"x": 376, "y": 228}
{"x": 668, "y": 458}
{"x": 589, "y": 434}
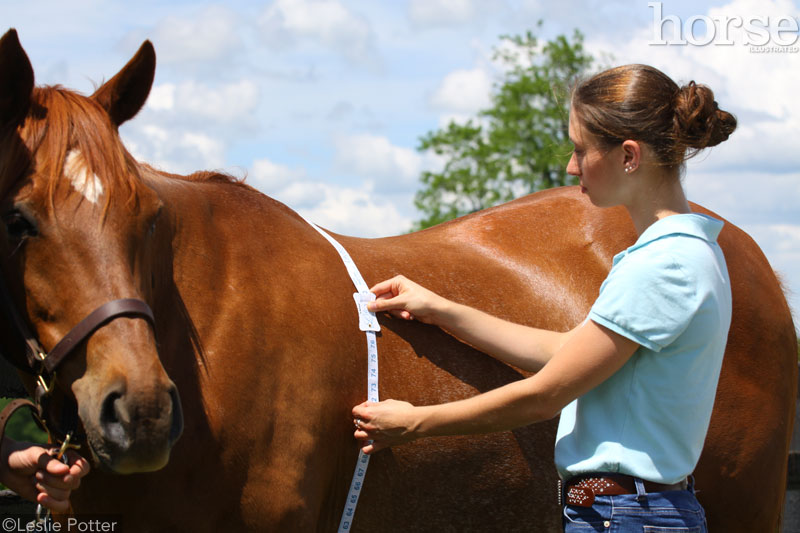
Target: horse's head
{"x": 78, "y": 230}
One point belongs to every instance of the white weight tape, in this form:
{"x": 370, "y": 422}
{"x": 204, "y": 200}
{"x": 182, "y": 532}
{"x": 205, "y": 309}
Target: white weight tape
{"x": 367, "y": 322}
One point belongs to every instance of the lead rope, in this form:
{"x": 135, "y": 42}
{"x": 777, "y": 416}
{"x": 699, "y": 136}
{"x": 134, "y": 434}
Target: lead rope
{"x": 368, "y": 323}
{"x": 61, "y": 455}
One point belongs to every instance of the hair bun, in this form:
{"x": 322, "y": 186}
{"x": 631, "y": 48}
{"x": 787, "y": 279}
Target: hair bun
{"x": 699, "y": 122}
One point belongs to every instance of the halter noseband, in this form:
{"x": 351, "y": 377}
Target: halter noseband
{"x": 43, "y": 365}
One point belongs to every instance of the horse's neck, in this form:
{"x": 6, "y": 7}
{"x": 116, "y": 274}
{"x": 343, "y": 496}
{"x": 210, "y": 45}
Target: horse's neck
{"x": 231, "y": 221}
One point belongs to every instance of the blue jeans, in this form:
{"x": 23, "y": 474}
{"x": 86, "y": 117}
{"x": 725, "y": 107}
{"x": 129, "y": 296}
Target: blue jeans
{"x": 655, "y": 512}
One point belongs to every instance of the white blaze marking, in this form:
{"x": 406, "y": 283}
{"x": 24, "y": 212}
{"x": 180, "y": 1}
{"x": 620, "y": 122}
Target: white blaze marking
{"x": 83, "y": 181}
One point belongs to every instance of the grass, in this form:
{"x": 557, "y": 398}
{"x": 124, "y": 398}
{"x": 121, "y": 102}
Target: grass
{"x": 22, "y": 427}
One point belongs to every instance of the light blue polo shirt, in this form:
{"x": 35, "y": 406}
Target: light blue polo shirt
{"x": 669, "y": 292}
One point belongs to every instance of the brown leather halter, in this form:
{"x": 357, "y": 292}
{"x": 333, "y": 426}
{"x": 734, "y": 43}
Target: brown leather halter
{"x": 43, "y": 364}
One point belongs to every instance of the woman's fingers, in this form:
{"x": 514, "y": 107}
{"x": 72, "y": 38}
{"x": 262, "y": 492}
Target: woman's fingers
{"x": 390, "y": 287}
{"x": 385, "y": 424}
{"x": 400, "y": 297}
{"x": 360, "y": 411}
{"x": 372, "y": 442}
{"x": 395, "y": 307}
{"x": 389, "y": 298}
{"x": 384, "y": 303}
{"x": 53, "y": 492}
{"x": 47, "y": 500}
{"x": 78, "y": 465}
{"x": 55, "y": 480}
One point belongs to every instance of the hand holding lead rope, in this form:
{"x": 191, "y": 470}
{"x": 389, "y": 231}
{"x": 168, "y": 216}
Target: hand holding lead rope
{"x": 60, "y": 455}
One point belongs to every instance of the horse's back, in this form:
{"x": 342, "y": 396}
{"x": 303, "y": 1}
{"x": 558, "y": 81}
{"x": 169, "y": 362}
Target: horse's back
{"x": 540, "y": 261}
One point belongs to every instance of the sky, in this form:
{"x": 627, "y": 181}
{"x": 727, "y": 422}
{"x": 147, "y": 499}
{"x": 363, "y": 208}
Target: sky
{"x": 321, "y": 103}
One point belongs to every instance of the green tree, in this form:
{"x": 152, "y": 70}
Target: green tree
{"x": 519, "y": 145}
{"x": 22, "y": 427}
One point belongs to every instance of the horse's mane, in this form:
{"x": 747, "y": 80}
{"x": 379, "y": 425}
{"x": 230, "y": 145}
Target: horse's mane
{"x": 201, "y": 176}
{"x": 215, "y": 176}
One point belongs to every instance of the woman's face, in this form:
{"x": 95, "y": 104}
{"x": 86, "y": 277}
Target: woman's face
{"x": 598, "y": 168}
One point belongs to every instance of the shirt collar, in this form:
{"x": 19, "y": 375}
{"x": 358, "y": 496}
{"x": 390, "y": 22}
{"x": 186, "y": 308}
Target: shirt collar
{"x": 691, "y": 224}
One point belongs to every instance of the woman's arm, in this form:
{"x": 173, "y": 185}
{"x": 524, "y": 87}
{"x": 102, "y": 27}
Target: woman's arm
{"x": 588, "y": 358}
{"x": 522, "y": 346}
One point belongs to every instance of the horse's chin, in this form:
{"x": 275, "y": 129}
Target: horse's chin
{"x": 127, "y": 463}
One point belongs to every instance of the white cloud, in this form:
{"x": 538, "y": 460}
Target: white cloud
{"x": 463, "y": 92}
{"x": 271, "y": 177}
{"x": 347, "y": 210}
{"x": 787, "y": 239}
{"x": 356, "y": 212}
{"x": 229, "y": 103}
{"x": 174, "y": 150}
{"x": 303, "y": 195}
{"x": 162, "y": 97}
{"x": 745, "y": 195}
{"x": 326, "y": 23}
{"x": 188, "y": 126}
{"x": 213, "y": 35}
{"x": 375, "y": 157}
{"x": 431, "y": 13}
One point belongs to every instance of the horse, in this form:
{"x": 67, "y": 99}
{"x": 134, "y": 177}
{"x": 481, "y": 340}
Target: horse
{"x": 254, "y": 321}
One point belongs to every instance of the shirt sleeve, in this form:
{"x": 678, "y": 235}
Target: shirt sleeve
{"x": 648, "y": 299}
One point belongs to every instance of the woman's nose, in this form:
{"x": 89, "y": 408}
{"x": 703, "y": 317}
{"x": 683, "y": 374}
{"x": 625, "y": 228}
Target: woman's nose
{"x": 572, "y": 166}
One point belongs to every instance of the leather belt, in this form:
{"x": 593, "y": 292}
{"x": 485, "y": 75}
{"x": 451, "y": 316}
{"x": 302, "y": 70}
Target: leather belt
{"x": 581, "y": 490}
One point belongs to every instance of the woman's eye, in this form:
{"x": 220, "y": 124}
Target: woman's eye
{"x": 18, "y": 226}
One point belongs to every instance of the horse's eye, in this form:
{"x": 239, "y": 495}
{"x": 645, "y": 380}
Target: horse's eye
{"x": 18, "y": 226}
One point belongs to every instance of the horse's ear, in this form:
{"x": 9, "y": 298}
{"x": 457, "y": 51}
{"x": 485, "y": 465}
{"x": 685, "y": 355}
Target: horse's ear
{"x": 124, "y": 95}
{"x": 16, "y": 80}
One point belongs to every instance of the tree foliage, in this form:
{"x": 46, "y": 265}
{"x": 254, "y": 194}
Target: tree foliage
{"x": 517, "y": 146}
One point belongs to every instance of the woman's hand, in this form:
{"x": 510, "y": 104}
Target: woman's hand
{"x": 405, "y": 299}
{"x": 36, "y": 475}
{"x": 385, "y": 423}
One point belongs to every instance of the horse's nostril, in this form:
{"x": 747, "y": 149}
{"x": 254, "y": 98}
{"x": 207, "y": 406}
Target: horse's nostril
{"x": 177, "y": 415}
{"x": 111, "y": 419}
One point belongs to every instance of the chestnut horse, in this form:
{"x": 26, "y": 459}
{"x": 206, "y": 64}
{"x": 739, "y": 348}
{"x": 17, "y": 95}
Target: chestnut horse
{"x": 255, "y": 323}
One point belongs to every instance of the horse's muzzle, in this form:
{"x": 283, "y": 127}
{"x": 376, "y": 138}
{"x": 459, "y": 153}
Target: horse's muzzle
{"x": 135, "y": 431}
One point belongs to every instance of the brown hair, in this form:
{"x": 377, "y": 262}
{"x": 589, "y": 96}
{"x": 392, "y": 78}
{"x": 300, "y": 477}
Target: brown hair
{"x": 641, "y": 103}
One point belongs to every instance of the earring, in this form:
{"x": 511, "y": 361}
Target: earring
{"x": 628, "y": 169}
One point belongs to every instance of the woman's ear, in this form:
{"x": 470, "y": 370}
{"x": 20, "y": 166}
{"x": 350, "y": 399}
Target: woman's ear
{"x": 631, "y": 155}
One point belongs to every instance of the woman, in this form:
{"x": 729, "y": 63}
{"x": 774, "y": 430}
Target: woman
{"x": 635, "y": 382}
{"x": 36, "y": 475}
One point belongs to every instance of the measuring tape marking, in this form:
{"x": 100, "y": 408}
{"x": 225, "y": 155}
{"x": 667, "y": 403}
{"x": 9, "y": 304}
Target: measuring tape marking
{"x": 367, "y": 322}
